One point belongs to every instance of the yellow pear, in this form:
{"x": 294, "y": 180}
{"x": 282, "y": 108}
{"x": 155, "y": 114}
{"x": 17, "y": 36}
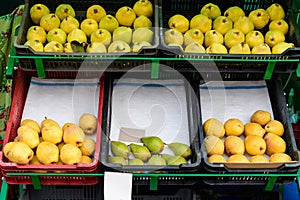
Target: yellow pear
{"x": 275, "y": 144}
{"x": 275, "y": 11}
{"x": 142, "y": 21}
{"x": 28, "y": 136}
{"x": 54, "y": 46}
{"x": 234, "y": 13}
{"x": 234, "y": 145}
{"x": 73, "y": 135}
{"x": 280, "y": 25}
{"x": 281, "y": 47}
{"x": 261, "y": 49}
{"x": 213, "y": 145}
{"x": 67, "y": 125}
{"x": 64, "y": 10}
{"x": 47, "y": 153}
{"x": 95, "y": 12}
{"x": 238, "y": 158}
{"x": 70, "y": 154}
{"x": 211, "y": 10}
{"x": 18, "y": 152}
{"x": 234, "y": 126}
{"x": 202, "y": 22}
{"x": 240, "y": 48}
{"x": 232, "y": 37}
{"x": 68, "y": 24}
{"x": 255, "y": 145}
{"x": 125, "y": 16}
{"x": 32, "y": 124}
{"x": 261, "y": 117}
{"x": 179, "y": 22}
{"x": 213, "y": 126}
{"x": 52, "y": 134}
{"x": 217, "y": 48}
{"x": 77, "y": 35}
{"x": 273, "y": 37}
{"x": 88, "y": 147}
{"x": 88, "y": 123}
{"x": 222, "y": 24}
{"x": 254, "y": 38}
{"x": 194, "y": 47}
{"x": 216, "y": 159}
{"x": 173, "y": 36}
{"x": 36, "y": 33}
{"x": 259, "y": 18}
{"x": 88, "y": 26}
{"x": 86, "y": 159}
{"x": 193, "y": 35}
{"x": 143, "y": 7}
{"x": 258, "y": 159}
{"x": 37, "y": 11}
{"x": 48, "y": 122}
{"x": 213, "y": 36}
{"x": 254, "y": 129}
{"x": 275, "y": 126}
{"x": 244, "y": 24}
{"x": 50, "y": 21}
{"x": 280, "y": 157}
{"x": 36, "y": 45}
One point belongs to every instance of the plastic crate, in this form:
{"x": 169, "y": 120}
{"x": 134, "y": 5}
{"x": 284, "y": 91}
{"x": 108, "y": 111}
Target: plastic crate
{"x": 279, "y": 108}
{"x": 296, "y": 129}
{"x": 251, "y": 63}
{"x": 18, "y": 103}
{"x": 69, "y": 63}
{"x": 192, "y": 112}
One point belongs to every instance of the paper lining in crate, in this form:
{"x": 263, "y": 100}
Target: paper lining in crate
{"x": 240, "y": 99}
{"x": 63, "y": 100}
{"x": 138, "y": 107}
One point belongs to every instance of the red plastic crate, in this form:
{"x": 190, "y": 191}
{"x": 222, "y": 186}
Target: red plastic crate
{"x": 19, "y": 99}
{"x": 296, "y": 129}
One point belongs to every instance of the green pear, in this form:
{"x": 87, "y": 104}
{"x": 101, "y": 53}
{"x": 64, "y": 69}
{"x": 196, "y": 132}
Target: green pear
{"x": 37, "y": 11}
{"x": 232, "y": 37}
{"x": 194, "y": 48}
{"x": 142, "y": 34}
{"x": 58, "y": 35}
{"x": 77, "y": 35}
{"x": 64, "y": 10}
{"x": 142, "y": 21}
{"x": 36, "y": 45}
{"x": 216, "y": 48}
{"x": 109, "y": 23}
{"x": 120, "y": 149}
{"x": 234, "y": 13}
{"x": 125, "y": 16}
{"x": 118, "y": 46}
{"x": 154, "y": 144}
{"x": 122, "y": 33}
{"x": 261, "y": 49}
{"x": 254, "y": 38}
{"x": 273, "y": 37}
{"x": 157, "y": 160}
{"x": 179, "y": 22}
{"x": 222, "y": 24}
{"x": 68, "y": 24}
{"x": 54, "y": 46}
{"x": 173, "y": 36}
{"x": 174, "y": 160}
{"x": 259, "y": 17}
{"x": 280, "y": 25}
{"x": 95, "y": 12}
{"x": 180, "y": 149}
{"x": 280, "y": 47}
{"x": 193, "y": 35}
{"x": 117, "y": 160}
{"x": 275, "y": 12}
{"x": 137, "y": 46}
{"x": 140, "y": 152}
{"x": 88, "y": 26}
{"x": 101, "y": 35}
{"x": 135, "y": 161}
{"x": 143, "y": 7}
{"x": 244, "y": 24}
{"x": 49, "y": 21}
{"x": 213, "y": 36}
{"x": 240, "y": 48}
{"x": 211, "y": 10}
{"x": 202, "y": 22}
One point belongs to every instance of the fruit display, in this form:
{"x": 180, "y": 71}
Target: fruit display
{"x": 150, "y": 152}
{"x": 229, "y": 31}
{"x": 49, "y": 143}
{"x": 258, "y": 141}
{"x": 63, "y": 29}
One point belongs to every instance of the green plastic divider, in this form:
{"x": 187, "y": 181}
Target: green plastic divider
{"x": 269, "y": 70}
{"x": 4, "y": 189}
{"x": 155, "y": 69}
{"x": 271, "y": 183}
{"x": 40, "y": 68}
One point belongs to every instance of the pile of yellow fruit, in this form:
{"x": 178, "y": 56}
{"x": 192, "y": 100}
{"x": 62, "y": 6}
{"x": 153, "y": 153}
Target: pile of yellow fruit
{"x": 233, "y": 32}
{"x": 150, "y": 153}
{"x": 258, "y": 141}
{"x": 127, "y": 31}
{"x": 48, "y": 143}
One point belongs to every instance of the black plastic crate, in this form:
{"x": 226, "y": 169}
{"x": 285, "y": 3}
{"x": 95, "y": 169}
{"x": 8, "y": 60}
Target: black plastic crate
{"x": 252, "y": 63}
{"x": 76, "y": 61}
{"x": 193, "y": 123}
{"x": 279, "y": 109}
